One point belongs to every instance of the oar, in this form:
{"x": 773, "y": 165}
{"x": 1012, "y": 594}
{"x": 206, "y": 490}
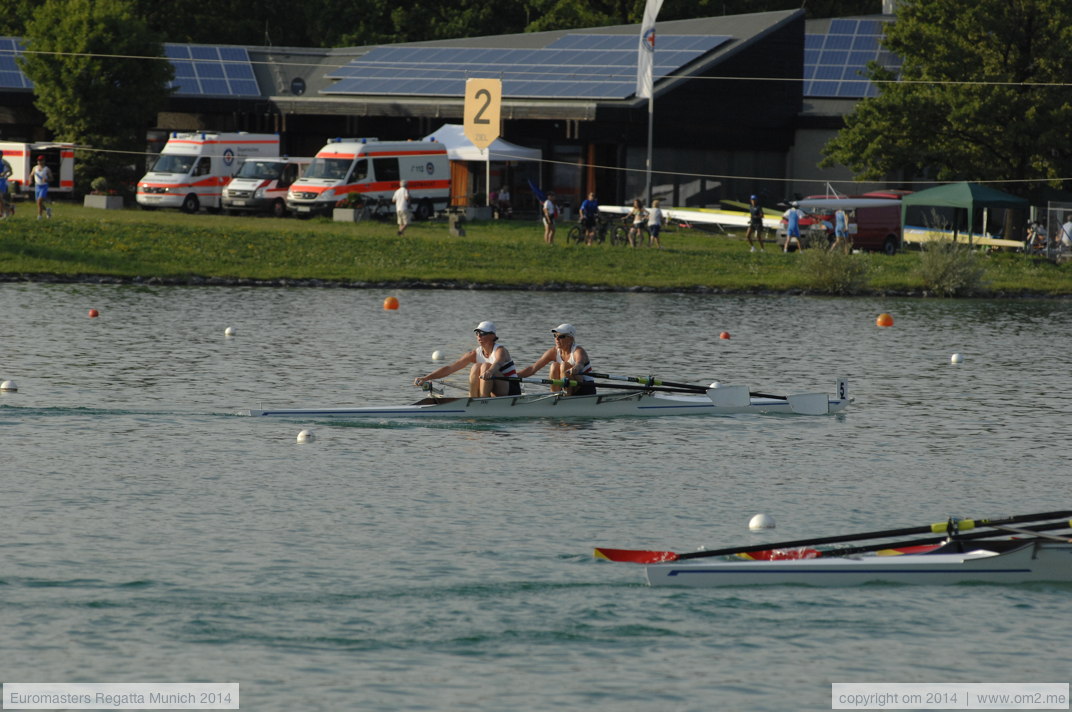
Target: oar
{"x": 654, "y": 557}
{"x": 651, "y": 380}
{"x": 1051, "y": 537}
{"x": 982, "y": 537}
{"x": 563, "y": 383}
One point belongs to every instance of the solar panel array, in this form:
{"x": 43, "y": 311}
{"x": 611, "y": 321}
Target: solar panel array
{"x": 211, "y": 71}
{"x": 573, "y": 67}
{"x": 11, "y": 77}
{"x": 199, "y": 70}
{"x": 835, "y": 63}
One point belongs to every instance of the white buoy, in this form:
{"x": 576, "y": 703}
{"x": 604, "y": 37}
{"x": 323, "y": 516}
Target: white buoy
{"x": 306, "y": 436}
{"x": 437, "y": 355}
{"x": 956, "y": 358}
{"x": 8, "y": 386}
{"x": 230, "y": 331}
{"x": 760, "y": 522}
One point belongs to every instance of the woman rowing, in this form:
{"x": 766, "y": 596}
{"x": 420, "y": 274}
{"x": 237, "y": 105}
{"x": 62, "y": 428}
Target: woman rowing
{"x": 489, "y": 360}
{"x": 568, "y": 361}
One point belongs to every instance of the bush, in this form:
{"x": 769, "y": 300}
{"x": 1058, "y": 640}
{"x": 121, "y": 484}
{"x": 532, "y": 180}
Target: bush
{"x": 950, "y": 269}
{"x": 834, "y": 272}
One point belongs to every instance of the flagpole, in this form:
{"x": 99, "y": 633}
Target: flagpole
{"x": 651, "y": 115}
{"x": 644, "y": 88}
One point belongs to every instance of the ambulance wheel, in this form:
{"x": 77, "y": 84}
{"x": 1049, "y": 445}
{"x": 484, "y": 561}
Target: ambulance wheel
{"x": 424, "y": 209}
{"x": 190, "y": 204}
{"x": 279, "y": 209}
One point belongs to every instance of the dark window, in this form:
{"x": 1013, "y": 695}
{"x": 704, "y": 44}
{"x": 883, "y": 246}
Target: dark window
{"x": 386, "y": 169}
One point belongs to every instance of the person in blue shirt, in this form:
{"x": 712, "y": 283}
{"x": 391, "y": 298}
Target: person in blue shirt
{"x": 5, "y": 173}
{"x": 841, "y": 232}
{"x": 589, "y": 217}
{"x": 792, "y": 227}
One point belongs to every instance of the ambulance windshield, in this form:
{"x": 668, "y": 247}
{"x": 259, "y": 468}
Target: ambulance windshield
{"x": 170, "y": 163}
{"x": 328, "y": 168}
{"x": 261, "y": 170}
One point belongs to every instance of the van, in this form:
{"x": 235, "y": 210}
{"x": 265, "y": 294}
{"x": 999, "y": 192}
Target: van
{"x": 261, "y": 185}
{"x": 22, "y": 157}
{"x": 193, "y": 168}
{"x": 877, "y": 228}
{"x": 371, "y": 169}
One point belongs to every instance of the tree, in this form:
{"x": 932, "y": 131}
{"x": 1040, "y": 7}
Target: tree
{"x": 93, "y": 83}
{"x": 983, "y": 94}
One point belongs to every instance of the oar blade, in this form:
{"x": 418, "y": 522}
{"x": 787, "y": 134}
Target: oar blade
{"x": 729, "y": 396}
{"x": 809, "y": 403}
{"x": 634, "y": 556}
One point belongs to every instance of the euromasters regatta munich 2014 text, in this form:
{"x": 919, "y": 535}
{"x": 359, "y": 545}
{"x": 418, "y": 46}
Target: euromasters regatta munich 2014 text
{"x": 103, "y": 698}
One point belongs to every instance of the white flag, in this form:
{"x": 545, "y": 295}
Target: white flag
{"x": 646, "y": 53}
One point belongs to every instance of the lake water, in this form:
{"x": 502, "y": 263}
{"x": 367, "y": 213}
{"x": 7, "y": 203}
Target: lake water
{"x": 152, "y": 535}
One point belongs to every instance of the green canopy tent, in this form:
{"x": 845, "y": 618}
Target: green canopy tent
{"x": 969, "y": 196}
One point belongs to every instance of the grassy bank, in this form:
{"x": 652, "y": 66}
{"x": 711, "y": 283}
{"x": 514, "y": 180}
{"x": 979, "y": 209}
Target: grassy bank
{"x": 81, "y": 242}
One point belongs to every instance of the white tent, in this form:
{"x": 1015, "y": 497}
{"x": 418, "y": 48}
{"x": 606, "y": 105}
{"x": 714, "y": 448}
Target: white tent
{"x": 460, "y": 148}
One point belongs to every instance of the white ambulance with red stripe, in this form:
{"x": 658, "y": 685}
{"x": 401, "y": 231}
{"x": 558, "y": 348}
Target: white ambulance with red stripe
{"x": 193, "y": 168}
{"x": 59, "y": 157}
{"x": 370, "y": 169}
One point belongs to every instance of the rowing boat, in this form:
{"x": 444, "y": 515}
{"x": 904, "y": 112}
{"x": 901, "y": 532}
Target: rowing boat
{"x": 1006, "y": 561}
{"x": 723, "y": 400}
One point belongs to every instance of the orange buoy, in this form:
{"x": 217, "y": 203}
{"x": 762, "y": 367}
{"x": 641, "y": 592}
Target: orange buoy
{"x": 884, "y": 319}
{"x": 724, "y": 335}
{"x": 93, "y": 313}
{"x": 390, "y": 303}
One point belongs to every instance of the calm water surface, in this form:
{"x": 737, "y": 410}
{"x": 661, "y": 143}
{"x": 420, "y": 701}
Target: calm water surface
{"x": 151, "y": 535}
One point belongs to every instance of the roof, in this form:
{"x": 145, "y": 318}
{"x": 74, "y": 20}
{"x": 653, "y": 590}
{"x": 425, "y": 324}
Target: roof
{"x": 964, "y": 195}
{"x": 460, "y": 148}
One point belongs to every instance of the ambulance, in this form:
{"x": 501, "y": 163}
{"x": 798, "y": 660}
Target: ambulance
{"x": 372, "y": 169}
{"x": 261, "y": 185}
{"x": 22, "y": 157}
{"x": 193, "y": 168}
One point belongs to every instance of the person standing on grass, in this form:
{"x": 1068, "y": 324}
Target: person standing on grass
{"x": 792, "y": 226}
{"x": 589, "y": 216}
{"x": 550, "y": 215}
{"x": 5, "y": 173}
{"x": 841, "y": 232}
{"x": 655, "y": 224}
{"x": 401, "y": 201}
{"x": 41, "y": 177}
{"x": 639, "y": 217}
{"x": 755, "y": 223}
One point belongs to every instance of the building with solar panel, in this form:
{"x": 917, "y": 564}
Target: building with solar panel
{"x": 742, "y": 104}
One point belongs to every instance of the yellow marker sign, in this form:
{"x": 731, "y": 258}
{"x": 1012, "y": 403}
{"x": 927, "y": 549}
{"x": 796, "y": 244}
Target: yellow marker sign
{"x": 483, "y": 102}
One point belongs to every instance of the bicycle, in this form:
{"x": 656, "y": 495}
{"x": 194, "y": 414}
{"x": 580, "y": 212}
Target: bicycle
{"x": 604, "y": 230}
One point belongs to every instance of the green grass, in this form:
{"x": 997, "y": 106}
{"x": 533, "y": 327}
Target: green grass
{"x": 166, "y": 244}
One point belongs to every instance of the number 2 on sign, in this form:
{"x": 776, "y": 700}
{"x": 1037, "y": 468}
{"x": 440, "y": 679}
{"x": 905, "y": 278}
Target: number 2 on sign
{"x": 486, "y": 96}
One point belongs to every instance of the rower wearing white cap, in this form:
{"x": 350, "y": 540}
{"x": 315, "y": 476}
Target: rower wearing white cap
{"x": 568, "y": 360}
{"x": 488, "y": 359}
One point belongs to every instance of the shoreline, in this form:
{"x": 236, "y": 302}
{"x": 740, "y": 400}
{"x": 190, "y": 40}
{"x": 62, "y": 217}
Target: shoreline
{"x": 200, "y": 281}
